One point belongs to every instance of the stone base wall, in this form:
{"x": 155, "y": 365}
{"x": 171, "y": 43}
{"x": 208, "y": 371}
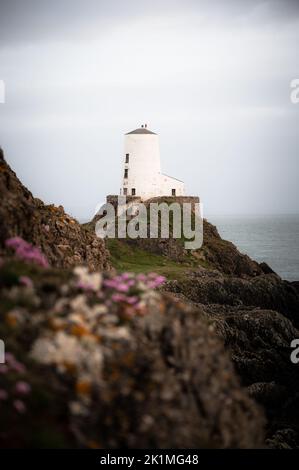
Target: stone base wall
{"x": 133, "y": 201}
{"x": 113, "y": 199}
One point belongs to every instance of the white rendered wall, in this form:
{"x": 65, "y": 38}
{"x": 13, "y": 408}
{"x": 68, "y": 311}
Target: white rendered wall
{"x": 144, "y": 165}
{"x": 168, "y": 184}
{"x": 144, "y": 169}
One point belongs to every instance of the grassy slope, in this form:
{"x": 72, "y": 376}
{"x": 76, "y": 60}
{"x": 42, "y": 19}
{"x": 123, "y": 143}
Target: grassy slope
{"x": 126, "y": 258}
{"x": 134, "y": 259}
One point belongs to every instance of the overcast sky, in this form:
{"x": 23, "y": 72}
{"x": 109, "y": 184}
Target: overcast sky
{"x": 212, "y": 78}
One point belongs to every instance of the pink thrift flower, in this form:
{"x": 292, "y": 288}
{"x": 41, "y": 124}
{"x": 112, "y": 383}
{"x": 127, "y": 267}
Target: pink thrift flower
{"x": 118, "y": 297}
{"x": 84, "y": 286}
{"x": 26, "y": 281}
{"x": 152, "y": 275}
{"x": 3, "y": 394}
{"x": 3, "y": 369}
{"x": 160, "y": 279}
{"x": 18, "y": 367}
{"x": 22, "y": 387}
{"x": 19, "y": 406}
{"x": 110, "y": 283}
{"x": 156, "y": 282}
{"x": 126, "y": 276}
{"x": 9, "y": 358}
{"x": 132, "y": 300}
{"x": 27, "y": 252}
{"x": 12, "y": 363}
{"x": 122, "y": 287}
{"x": 14, "y": 242}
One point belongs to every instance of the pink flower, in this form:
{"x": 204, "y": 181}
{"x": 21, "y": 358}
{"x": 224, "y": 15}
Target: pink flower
{"x": 18, "y": 367}
{"x": 19, "y": 406}
{"x": 122, "y": 287}
{"x": 22, "y": 387}
{"x": 9, "y": 357}
{"x": 14, "y": 242}
{"x": 27, "y": 252}
{"x": 132, "y": 300}
{"x": 3, "y": 394}
{"x": 25, "y": 281}
{"x": 110, "y": 283}
{"x": 160, "y": 279}
{"x": 126, "y": 276}
{"x": 156, "y": 281}
{"x": 3, "y": 369}
{"x": 118, "y": 297}
{"x": 84, "y": 286}
{"x": 12, "y": 363}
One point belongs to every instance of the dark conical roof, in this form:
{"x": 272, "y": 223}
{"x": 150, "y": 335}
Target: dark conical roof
{"x": 141, "y": 130}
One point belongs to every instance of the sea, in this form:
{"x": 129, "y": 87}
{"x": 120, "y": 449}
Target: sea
{"x": 268, "y": 238}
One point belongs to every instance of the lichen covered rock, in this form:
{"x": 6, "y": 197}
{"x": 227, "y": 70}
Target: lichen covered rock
{"x": 111, "y": 362}
{"x": 62, "y": 239}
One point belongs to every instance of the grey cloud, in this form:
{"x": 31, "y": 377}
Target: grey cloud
{"x": 39, "y": 20}
{"x": 211, "y": 77}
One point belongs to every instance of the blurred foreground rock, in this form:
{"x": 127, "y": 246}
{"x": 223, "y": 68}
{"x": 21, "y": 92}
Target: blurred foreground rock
{"x": 108, "y": 371}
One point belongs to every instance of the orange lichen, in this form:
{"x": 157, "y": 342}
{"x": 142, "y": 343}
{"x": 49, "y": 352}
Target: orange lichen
{"x": 56, "y": 324}
{"x": 83, "y": 387}
{"x": 79, "y": 330}
{"x": 11, "y": 320}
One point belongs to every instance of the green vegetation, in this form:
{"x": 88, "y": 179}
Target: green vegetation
{"x": 134, "y": 259}
{"x": 127, "y": 256}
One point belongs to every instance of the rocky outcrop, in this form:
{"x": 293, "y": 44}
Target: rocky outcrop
{"x": 107, "y": 365}
{"x": 257, "y": 319}
{"x": 266, "y": 291}
{"x": 103, "y": 370}
{"x": 61, "y": 238}
{"x": 260, "y": 345}
{"x": 225, "y": 257}
{"x": 215, "y": 253}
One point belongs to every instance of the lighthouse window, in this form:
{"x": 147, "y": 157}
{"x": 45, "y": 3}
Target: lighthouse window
{"x": 133, "y": 191}
{"x": 173, "y": 192}
{"x": 127, "y": 158}
{"x": 126, "y": 172}
{"x": 125, "y": 191}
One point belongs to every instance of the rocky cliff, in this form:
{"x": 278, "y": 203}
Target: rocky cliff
{"x": 113, "y": 360}
{"x": 106, "y": 369}
{"x": 254, "y": 311}
{"x": 61, "y": 238}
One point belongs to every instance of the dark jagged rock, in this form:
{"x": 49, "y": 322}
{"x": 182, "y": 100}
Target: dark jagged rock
{"x": 260, "y": 345}
{"x": 62, "y": 239}
{"x": 224, "y": 256}
{"x": 113, "y": 376}
{"x": 166, "y": 379}
{"x": 256, "y": 313}
{"x": 265, "y": 291}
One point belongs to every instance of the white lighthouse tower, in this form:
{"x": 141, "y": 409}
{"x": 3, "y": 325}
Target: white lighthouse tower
{"x": 142, "y": 175}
